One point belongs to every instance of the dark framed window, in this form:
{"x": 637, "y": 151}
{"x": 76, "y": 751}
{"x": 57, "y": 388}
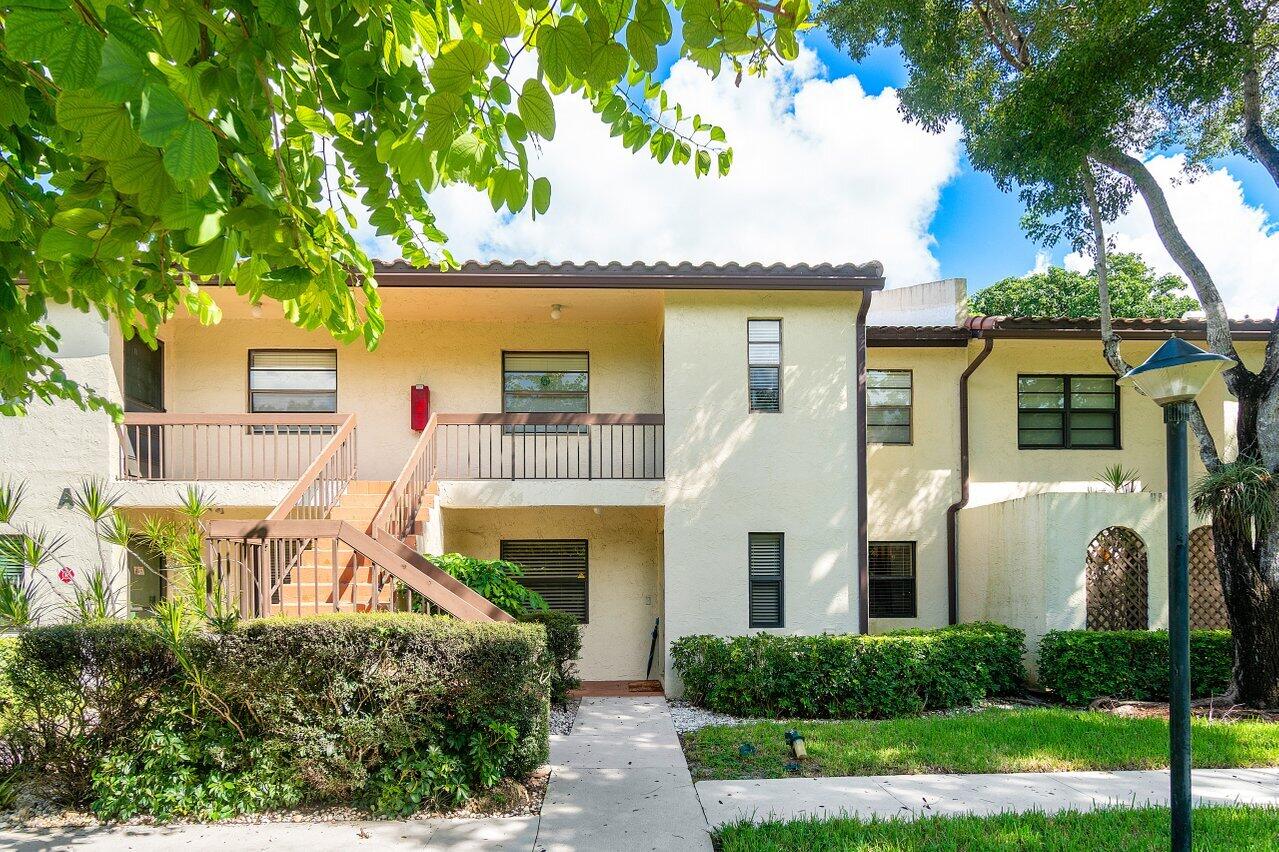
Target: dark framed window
{"x": 764, "y": 364}
{"x": 12, "y": 563}
{"x": 1067, "y": 412}
{"x": 766, "y": 560}
{"x": 551, "y": 382}
{"x": 143, "y": 375}
{"x": 557, "y": 569}
{"x": 891, "y": 571}
{"x": 889, "y": 401}
{"x": 291, "y": 381}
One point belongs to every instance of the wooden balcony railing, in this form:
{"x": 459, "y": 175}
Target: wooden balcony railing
{"x": 549, "y": 446}
{"x": 400, "y": 507}
{"x": 224, "y": 446}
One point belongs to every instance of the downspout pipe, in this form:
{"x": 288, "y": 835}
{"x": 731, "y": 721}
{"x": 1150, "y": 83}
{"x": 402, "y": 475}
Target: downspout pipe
{"x": 863, "y": 570}
{"x": 952, "y": 514}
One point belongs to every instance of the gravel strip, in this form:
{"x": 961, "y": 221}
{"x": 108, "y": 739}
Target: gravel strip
{"x": 562, "y": 717}
{"x": 688, "y": 718}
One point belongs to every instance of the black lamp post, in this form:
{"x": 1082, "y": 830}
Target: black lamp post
{"x": 1173, "y": 376}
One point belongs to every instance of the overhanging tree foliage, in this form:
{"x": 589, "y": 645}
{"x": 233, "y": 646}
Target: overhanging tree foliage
{"x": 1136, "y": 290}
{"x": 1062, "y": 100}
{"x": 146, "y": 147}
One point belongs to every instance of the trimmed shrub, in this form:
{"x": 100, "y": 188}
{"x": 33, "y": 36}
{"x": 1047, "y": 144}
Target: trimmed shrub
{"x": 1081, "y": 665}
{"x": 564, "y": 641}
{"x": 849, "y": 676}
{"x": 395, "y": 712}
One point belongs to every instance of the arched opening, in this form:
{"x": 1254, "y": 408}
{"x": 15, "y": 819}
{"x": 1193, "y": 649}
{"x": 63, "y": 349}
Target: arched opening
{"x": 1207, "y": 603}
{"x": 1117, "y": 579}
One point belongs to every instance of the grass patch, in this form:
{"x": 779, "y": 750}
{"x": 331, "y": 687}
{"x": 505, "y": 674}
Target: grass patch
{"x": 1234, "y": 828}
{"x": 1037, "y": 740}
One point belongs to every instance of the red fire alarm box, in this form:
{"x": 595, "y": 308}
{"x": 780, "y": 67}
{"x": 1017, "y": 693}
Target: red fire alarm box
{"x": 419, "y": 407}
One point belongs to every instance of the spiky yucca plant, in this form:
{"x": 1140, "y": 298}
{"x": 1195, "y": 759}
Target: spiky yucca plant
{"x": 1243, "y": 492}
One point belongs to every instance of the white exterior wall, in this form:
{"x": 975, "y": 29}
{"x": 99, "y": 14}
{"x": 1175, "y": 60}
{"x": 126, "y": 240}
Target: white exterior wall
{"x": 730, "y": 471}
{"x": 58, "y": 446}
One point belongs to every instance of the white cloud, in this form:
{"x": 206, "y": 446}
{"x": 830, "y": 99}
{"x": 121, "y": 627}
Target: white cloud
{"x": 822, "y": 172}
{"x": 1235, "y": 240}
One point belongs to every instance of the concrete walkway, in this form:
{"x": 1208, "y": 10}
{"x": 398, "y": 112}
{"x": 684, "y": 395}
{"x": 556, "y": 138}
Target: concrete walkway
{"x": 918, "y": 795}
{"x": 619, "y": 783}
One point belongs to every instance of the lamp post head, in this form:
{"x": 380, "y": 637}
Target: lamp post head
{"x": 1176, "y": 372}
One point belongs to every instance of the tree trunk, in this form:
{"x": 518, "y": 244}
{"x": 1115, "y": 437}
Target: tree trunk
{"x": 1252, "y": 602}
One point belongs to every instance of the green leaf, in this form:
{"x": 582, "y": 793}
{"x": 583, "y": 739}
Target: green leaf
{"x": 163, "y": 115}
{"x": 74, "y": 56}
{"x": 105, "y": 128}
{"x": 142, "y": 174}
{"x": 498, "y": 19}
{"x": 541, "y": 196}
{"x": 180, "y": 32}
{"x": 537, "y": 109}
{"x": 121, "y": 76}
{"x": 57, "y": 244}
{"x": 182, "y": 211}
{"x": 457, "y": 66}
{"x": 193, "y": 153}
{"x": 282, "y": 13}
{"x": 563, "y": 48}
{"x": 14, "y": 111}
{"x": 29, "y": 32}
{"x": 428, "y": 32}
{"x": 641, "y": 45}
{"x": 608, "y": 66}
{"x": 725, "y": 161}
{"x": 128, "y": 30}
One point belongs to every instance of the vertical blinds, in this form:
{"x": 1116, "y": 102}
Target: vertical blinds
{"x": 764, "y": 364}
{"x": 554, "y": 568}
{"x": 293, "y": 380}
{"x": 766, "y": 557}
{"x": 891, "y": 569}
{"x": 11, "y": 560}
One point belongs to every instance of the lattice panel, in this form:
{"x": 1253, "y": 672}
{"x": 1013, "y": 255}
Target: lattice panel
{"x": 1207, "y": 604}
{"x": 1117, "y": 578}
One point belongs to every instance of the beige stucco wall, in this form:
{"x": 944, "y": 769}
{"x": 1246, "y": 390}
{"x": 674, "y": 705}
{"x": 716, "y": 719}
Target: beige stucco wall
{"x": 461, "y": 362}
{"x": 624, "y": 590}
{"x": 910, "y": 486}
{"x": 57, "y": 446}
{"x": 1024, "y": 559}
{"x": 730, "y": 472}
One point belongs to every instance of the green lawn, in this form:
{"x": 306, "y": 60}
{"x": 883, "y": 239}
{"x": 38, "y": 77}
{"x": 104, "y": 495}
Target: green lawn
{"x": 1037, "y": 740}
{"x": 1233, "y": 828}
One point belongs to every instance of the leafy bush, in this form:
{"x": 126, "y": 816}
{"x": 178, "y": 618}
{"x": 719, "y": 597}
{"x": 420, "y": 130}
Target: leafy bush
{"x": 1080, "y": 665}
{"x": 849, "y": 676}
{"x": 333, "y": 708}
{"x": 492, "y": 578}
{"x": 564, "y": 641}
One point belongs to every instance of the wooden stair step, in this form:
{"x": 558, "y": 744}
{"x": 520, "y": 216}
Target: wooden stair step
{"x": 369, "y": 486}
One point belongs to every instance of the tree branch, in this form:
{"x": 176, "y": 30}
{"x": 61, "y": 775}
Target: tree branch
{"x": 1255, "y": 138}
{"x": 1219, "y": 339}
{"x": 1109, "y": 342}
{"x": 989, "y": 25}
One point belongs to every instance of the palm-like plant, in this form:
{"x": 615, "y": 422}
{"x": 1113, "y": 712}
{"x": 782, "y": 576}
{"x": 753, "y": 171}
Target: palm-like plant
{"x": 1243, "y": 493}
{"x": 1119, "y": 479}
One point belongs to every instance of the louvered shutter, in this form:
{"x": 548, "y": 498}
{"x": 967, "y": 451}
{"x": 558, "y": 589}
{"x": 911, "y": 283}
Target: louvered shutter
{"x": 554, "y": 568}
{"x": 282, "y": 381}
{"x": 892, "y": 579}
{"x": 11, "y": 561}
{"x": 765, "y": 557}
{"x": 764, "y": 364}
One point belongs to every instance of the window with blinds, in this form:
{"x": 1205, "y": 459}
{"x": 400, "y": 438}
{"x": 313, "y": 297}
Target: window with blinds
{"x": 546, "y": 382}
{"x": 11, "y": 559}
{"x": 891, "y": 569}
{"x": 765, "y": 556}
{"x": 557, "y": 569}
{"x": 764, "y": 364}
{"x": 889, "y": 399}
{"x": 285, "y": 381}
{"x": 1067, "y": 412}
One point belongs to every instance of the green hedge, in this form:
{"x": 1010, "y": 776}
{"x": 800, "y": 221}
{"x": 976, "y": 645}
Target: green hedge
{"x": 1081, "y": 665}
{"x": 393, "y": 712}
{"x": 564, "y": 641}
{"x": 849, "y": 676}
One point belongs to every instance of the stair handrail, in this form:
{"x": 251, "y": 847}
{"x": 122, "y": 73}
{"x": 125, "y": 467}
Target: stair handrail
{"x": 326, "y": 478}
{"x": 400, "y": 506}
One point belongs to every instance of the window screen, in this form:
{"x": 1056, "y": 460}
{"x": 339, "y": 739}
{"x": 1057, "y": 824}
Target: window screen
{"x": 1067, "y": 412}
{"x": 555, "y": 569}
{"x": 765, "y": 556}
{"x": 892, "y": 579}
{"x": 11, "y": 559}
{"x": 284, "y": 381}
{"x": 546, "y": 382}
{"x": 143, "y": 375}
{"x": 889, "y": 398}
{"x": 764, "y": 364}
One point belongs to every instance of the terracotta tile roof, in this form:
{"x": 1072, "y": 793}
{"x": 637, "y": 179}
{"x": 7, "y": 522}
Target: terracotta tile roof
{"x": 637, "y": 275}
{"x": 1067, "y": 327}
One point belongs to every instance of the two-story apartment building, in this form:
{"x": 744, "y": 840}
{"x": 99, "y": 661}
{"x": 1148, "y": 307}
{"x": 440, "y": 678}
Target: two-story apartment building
{"x": 703, "y": 448}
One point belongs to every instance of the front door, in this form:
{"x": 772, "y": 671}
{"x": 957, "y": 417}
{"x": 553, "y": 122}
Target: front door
{"x": 144, "y": 391}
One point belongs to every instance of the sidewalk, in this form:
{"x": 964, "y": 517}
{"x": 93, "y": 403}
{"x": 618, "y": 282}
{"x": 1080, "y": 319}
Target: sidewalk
{"x": 619, "y": 783}
{"x": 921, "y": 795}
